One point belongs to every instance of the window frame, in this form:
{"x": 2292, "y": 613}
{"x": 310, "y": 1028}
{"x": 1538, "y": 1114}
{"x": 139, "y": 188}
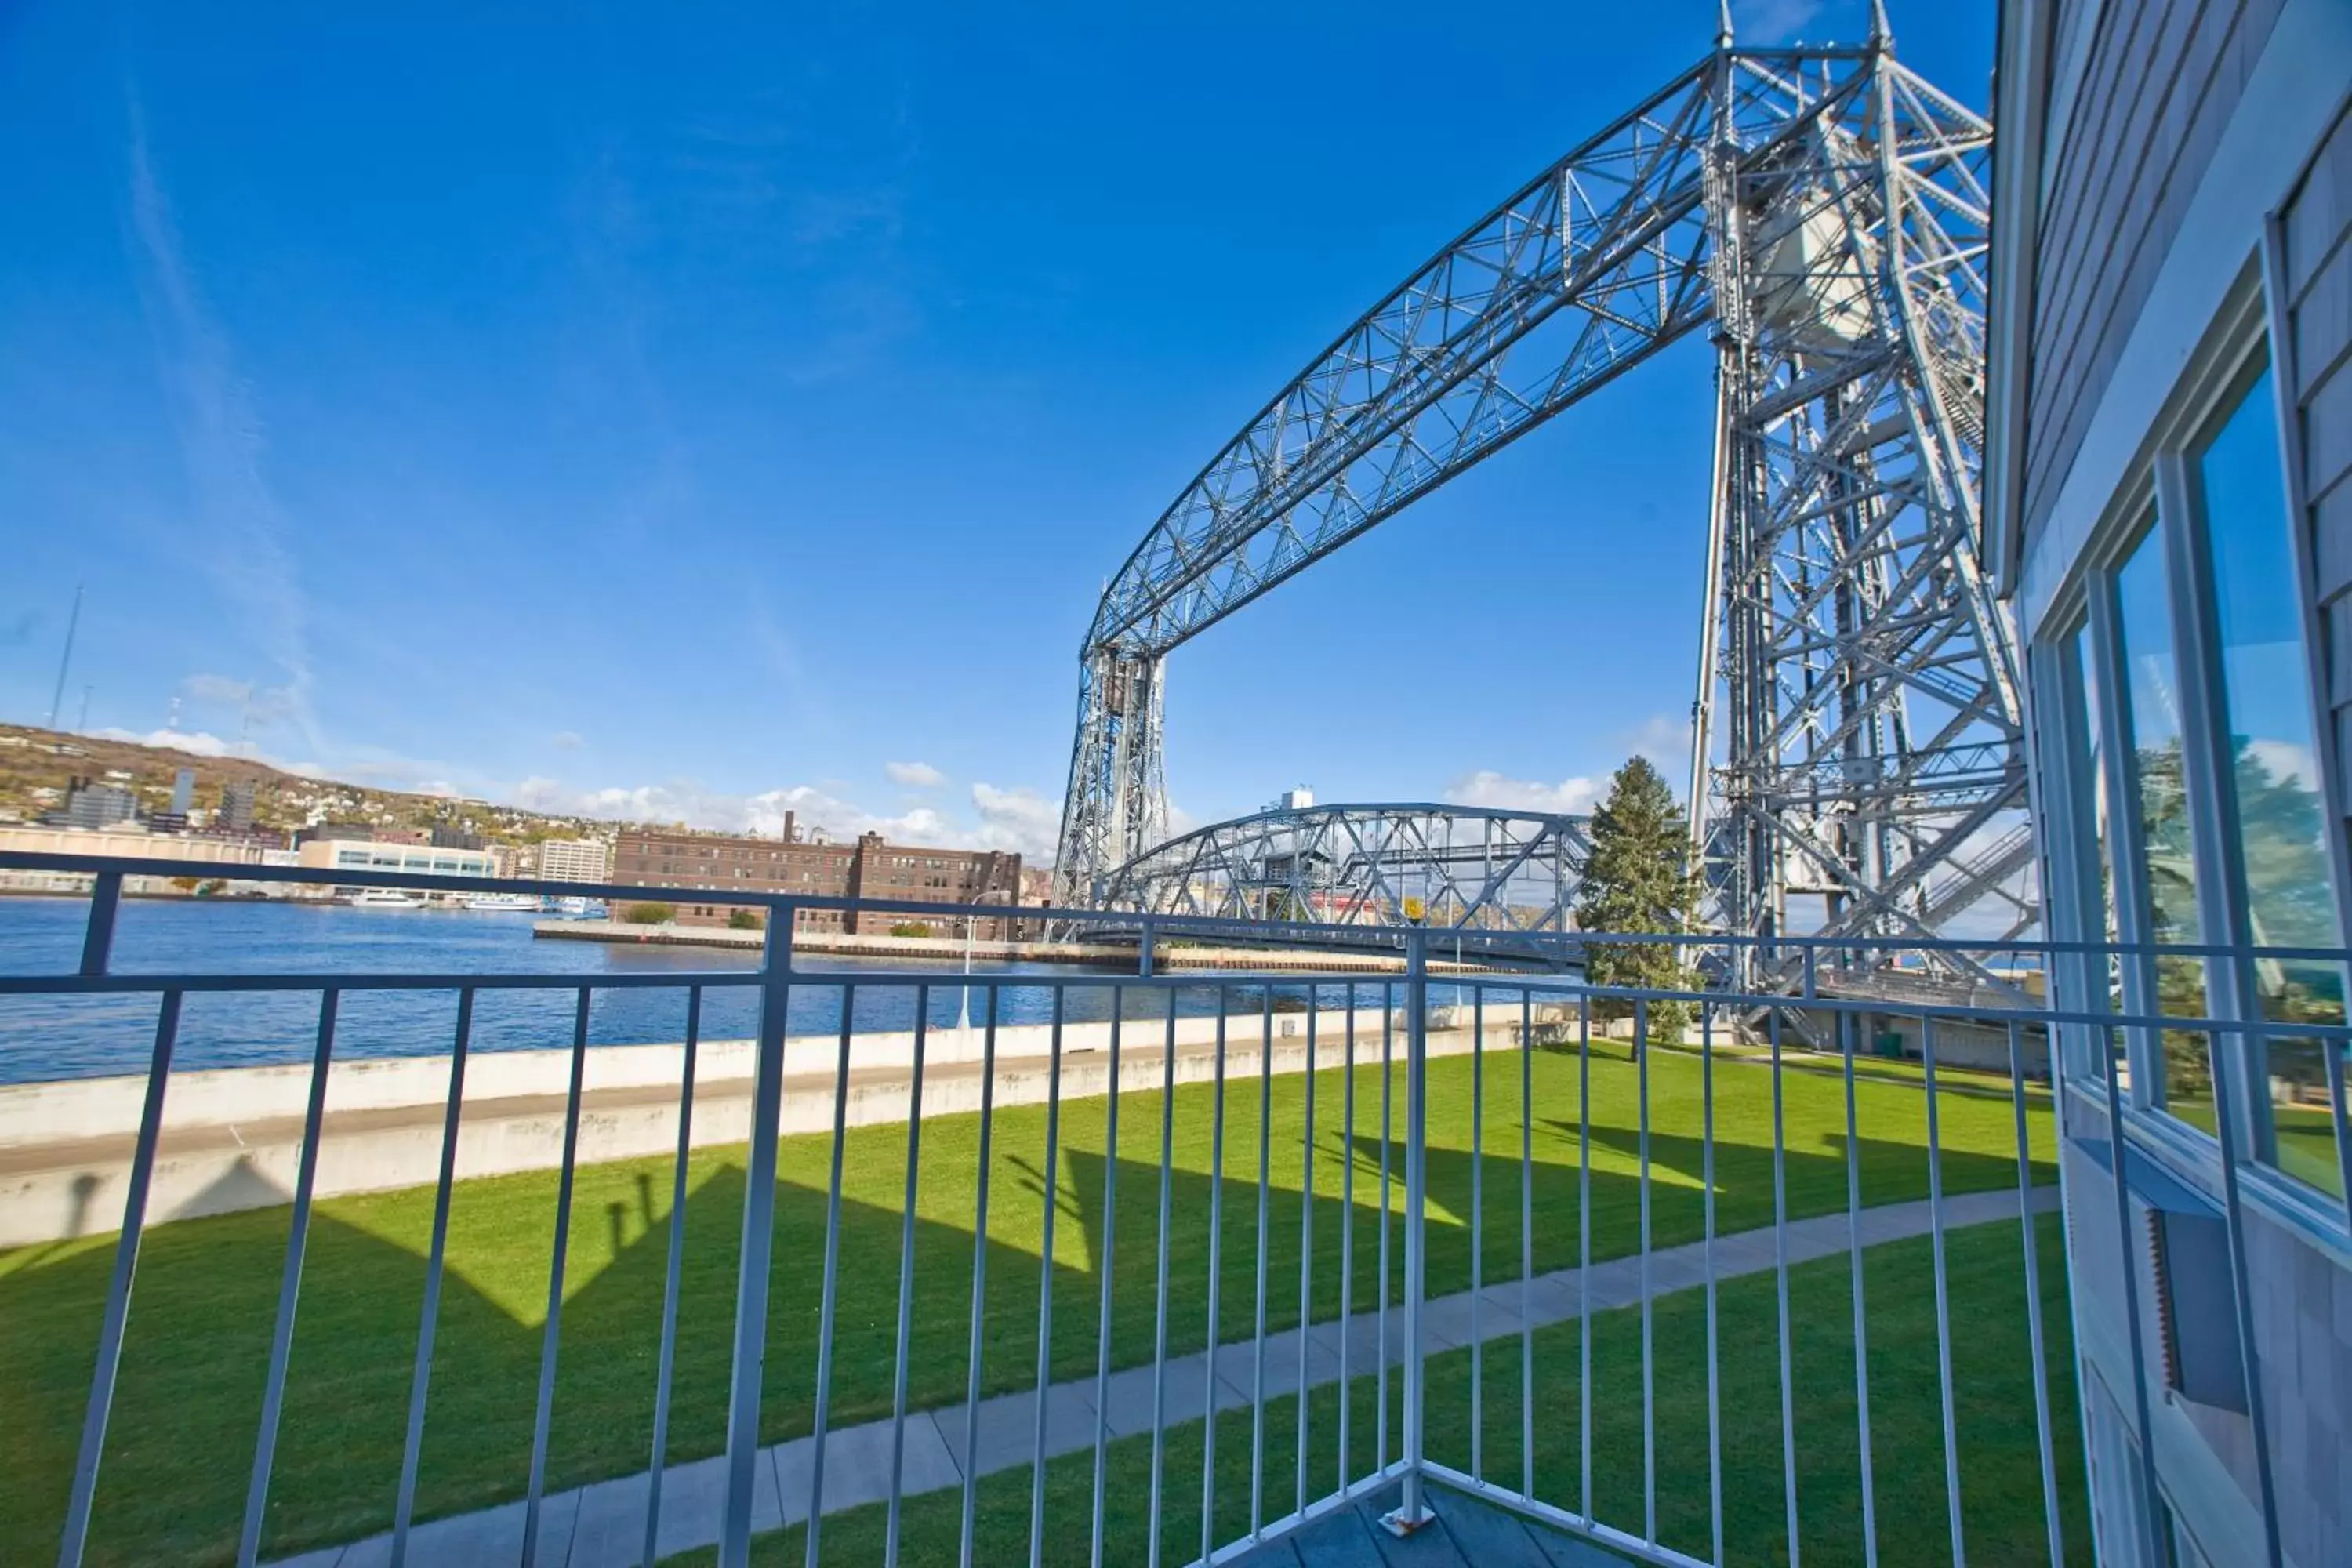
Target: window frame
{"x": 2248, "y": 337}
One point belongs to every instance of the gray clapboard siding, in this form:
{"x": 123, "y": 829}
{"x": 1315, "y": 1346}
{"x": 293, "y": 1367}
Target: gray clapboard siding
{"x": 2161, "y": 79}
{"x": 2318, "y": 221}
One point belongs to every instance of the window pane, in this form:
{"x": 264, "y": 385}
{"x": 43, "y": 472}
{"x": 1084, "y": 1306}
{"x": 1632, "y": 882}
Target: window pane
{"x": 2167, "y": 866}
{"x": 2281, "y": 823}
{"x": 2105, "y": 975}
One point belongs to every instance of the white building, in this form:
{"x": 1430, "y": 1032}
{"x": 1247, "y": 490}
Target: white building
{"x": 575, "y": 860}
{"x": 427, "y": 859}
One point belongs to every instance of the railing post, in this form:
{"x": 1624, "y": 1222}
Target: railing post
{"x": 750, "y": 1352}
{"x": 98, "y": 937}
{"x": 1411, "y": 1512}
{"x": 1143, "y": 954}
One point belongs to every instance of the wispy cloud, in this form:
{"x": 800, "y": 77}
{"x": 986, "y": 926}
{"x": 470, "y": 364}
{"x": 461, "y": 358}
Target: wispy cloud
{"x": 915, "y": 775}
{"x": 242, "y": 528}
{"x": 1665, "y": 740}
{"x": 566, "y": 741}
{"x": 1772, "y": 21}
{"x": 1015, "y": 819}
{"x": 1488, "y": 788}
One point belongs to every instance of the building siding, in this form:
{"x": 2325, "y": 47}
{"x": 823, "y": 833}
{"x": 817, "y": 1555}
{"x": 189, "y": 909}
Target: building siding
{"x": 2160, "y": 81}
{"x": 2317, "y": 265}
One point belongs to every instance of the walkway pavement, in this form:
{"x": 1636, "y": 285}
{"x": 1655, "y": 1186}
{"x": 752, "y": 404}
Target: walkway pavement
{"x": 604, "y": 1525}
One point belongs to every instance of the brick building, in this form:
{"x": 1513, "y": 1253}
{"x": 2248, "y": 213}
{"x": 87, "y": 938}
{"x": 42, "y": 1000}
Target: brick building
{"x": 713, "y": 864}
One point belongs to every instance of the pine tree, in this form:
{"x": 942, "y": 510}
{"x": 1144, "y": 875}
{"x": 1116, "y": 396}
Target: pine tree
{"x": 1637, "y": 881}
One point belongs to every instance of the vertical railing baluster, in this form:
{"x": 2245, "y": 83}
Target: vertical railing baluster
{"x": 1707, "y": 1186}
{"x": 2229, "y": 1131}
{"x": 1104, "y": 1263}
{"x": 75, "y": 1537}
{"x": 289, "y": 1286}
{"x": 831, "y": 1278}
{"x": 665, "y": 1380}
{"x": 1649, "y": 1377}
{"x": 1526, "y": 1244}
{"x": 1478, "y": 1228}
{"x": 1845, "y": 1030}
{"x": 1347, "y": 1225}
{"x": 1257, "y": 1357}
{"x": 906, "y": 1282}
{"x": 429, "y": 1318}
{"x": 1053, "y": 1173}
{"x": 1305, "y": 1244}
{"x": 1216, "y": 1282}
{"x": 2332, "y": 1052}
{"x": 1412, "y": 1512}
{"x": 1388, "y": 1134}
{"x": 2033, "y": 1279}
{"x": 1584, "y": 1253}
{"x": 747, "y": 1350}
{"x": 1943, "y": 1299}
{"x": 1780, "y": 1281}
{"x": 98, "y": 934}
{"x": 2151, "y": 1498}
{"x": 1159, "y": 1334}
{"x": 979, "y": 1285}
{"x": 551, "y": 1337}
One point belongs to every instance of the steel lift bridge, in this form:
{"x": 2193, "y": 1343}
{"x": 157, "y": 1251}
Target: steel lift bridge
{"x": 1858, "y": 766}
{"x": 1360, "y": 871}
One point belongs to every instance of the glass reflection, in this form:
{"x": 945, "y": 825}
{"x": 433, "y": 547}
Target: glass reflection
{"x": 2280, "y": 822}
{"x": 2167, "y": 862}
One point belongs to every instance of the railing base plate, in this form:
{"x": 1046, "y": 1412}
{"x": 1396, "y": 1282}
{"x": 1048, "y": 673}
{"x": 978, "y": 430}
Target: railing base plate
{"x": 1397, "y": 1522}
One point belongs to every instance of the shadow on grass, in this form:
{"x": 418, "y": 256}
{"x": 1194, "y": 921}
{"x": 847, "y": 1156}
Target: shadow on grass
{"x": 1999, "y": 1447}
{"x": 181, "y": 1439}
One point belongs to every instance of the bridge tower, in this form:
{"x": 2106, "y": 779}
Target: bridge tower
{"x": 1819, "y": 214}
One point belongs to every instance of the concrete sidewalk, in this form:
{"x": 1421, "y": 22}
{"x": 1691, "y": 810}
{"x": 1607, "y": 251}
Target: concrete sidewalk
{"x": 604, "y": 1525}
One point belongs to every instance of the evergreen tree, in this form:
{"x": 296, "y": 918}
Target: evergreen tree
{"x": 1637, "y": 880}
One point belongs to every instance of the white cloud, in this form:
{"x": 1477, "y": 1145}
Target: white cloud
{"x": 718, "y": 811}
{"x": 915, "y": 775}
{"x": 1665, "y": 740}
{"x": 1486, "y": 787}
{"x": 1017, "y": 819}
{"x": 565, "y": 741}
{"x": 1772, "y": 21}
{"x": 2286, "y": 760}
{"x": 217, "y": 688}
{"x": 240, "y": 529}
{"x": 201, "y": 743}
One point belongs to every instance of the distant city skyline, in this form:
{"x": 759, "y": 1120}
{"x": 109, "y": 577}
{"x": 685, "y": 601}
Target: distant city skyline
{"x": 705, "y": 417}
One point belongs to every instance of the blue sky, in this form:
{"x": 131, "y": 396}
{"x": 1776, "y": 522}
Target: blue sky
{"x": 695, "y": 410}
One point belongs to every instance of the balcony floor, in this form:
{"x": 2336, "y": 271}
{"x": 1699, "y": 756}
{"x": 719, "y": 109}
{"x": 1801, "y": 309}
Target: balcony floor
{"x": 1464, "y": 1535}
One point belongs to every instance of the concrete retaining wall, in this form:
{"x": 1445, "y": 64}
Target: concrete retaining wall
{"x": 232, "y": 1139}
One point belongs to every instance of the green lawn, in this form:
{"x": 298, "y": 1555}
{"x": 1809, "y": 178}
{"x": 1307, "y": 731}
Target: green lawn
{"x": 2002, "y": 1518}
{"x": 180, "y": 1445}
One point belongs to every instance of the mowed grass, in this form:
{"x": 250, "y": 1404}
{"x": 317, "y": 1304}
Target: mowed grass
{"x": 180, "y": 1445}
{"x": 2002, "y": 1510}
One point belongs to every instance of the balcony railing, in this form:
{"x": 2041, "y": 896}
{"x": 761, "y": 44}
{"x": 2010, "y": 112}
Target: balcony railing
{"x": 1157, "y": 1266}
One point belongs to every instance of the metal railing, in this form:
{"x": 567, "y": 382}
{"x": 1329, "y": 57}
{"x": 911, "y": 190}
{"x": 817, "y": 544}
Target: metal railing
{"x": 1821, "y": 1156}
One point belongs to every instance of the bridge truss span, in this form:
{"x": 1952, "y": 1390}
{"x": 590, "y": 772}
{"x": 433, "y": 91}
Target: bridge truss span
{"x": 1444, "y": 868}
{"x": 1821, "y": 213}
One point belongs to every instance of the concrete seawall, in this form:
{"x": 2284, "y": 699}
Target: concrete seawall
{"x": 1175, "y": 956}
{"x": 232, "y": 1138}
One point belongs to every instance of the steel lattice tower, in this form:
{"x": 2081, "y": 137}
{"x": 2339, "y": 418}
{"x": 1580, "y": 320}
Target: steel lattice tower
{"x": 1858, "y": 762}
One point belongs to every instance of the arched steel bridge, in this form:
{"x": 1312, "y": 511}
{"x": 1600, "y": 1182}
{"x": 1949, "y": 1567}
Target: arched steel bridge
{"x": 1821, "y": 213}
{"x": 1445, "y": 868}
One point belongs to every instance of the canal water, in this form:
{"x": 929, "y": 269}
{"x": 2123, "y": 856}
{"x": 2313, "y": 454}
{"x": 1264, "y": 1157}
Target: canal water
{"x": 45, "y": 1038}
